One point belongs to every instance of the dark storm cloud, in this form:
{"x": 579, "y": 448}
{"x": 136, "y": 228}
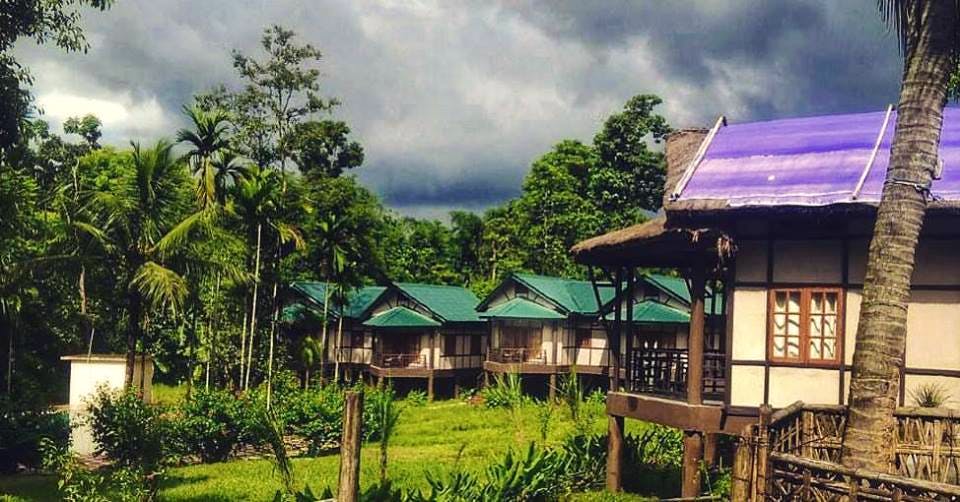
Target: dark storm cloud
{"x": 452, "y": 101}
{"x": 825, "y": 56}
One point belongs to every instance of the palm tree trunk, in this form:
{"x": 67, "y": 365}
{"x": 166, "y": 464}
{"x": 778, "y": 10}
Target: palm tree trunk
{"x": 881, "y": 332}
{"x": 243, "y": 342}
{"x": 133, "y": 334}
{"x": 336, "y": 353}
{"x": 253, "y": 308}
{"x": 273, "y": 335}
{"x": 323, "y": 336}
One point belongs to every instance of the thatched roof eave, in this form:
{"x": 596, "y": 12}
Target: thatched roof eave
{"x": 655, "y": 244}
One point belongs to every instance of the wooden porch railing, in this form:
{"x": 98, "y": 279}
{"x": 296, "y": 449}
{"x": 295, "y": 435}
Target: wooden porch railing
{"x": 385, "y": 360}
{"x": 664, "y": 372}
{"x": 517, "y": 355}
{"x": 796, "y": 457}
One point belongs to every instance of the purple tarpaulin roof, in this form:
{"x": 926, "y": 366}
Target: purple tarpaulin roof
{"x": 812, "y": 161}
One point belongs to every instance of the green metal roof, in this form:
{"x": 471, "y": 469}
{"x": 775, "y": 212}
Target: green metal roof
{"x": 298, "y": 312}
{"x": 450, "y": 303}
{"x": 677, "y": 287}
{"x": 521, "y": 308}
{"x": 574, "y": 296}
{"x": 652, "y": 311}
{"x": 400, "y": 317}
{"x": 358, "y": 301}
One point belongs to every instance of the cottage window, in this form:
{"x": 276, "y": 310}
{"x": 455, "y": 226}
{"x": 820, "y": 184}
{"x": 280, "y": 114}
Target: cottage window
{"x": 450, "y": 345}
{"x": 475, "y": 345}
{"x": 805, "y": 325}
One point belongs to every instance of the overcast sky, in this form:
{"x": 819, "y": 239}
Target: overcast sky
{"x": 453, "y": 99}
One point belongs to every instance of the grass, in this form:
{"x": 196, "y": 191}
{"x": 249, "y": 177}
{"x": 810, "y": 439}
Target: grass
{"x": 434, "y": 438}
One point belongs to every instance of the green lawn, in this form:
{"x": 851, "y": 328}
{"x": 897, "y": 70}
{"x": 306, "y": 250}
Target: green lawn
{"x": 429, "y": 439}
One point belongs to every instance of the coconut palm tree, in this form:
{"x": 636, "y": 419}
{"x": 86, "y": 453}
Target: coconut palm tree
{"x": 147, "y": 203}
{"x": 207, "y": 138}
{"x": 927, "y": 31}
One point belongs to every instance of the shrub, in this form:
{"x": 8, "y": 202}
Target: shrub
{"x": 76, "y": 483}
{"x": 211, "y": 424}
{"x": 506, "y": 392}
{"x": 133, "y": 434}
{"x": 316, "y": 415}
{"x": 416, "y": 398}
{"x": 22, "y": 427}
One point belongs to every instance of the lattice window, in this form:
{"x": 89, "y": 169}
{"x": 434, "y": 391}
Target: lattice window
{"x": 804, "y": 325}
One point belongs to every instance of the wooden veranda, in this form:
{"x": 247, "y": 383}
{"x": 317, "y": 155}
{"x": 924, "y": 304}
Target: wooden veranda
{"x": 700, "y": 255}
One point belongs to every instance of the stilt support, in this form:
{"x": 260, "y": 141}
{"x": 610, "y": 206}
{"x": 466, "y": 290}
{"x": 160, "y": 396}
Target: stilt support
{"x": 552, "y": 387}
{"x": 692, "y": 457}
{"x": 430, "y": 387}
{"x": 710, "y": 442}
{"x": 614, "y": 454}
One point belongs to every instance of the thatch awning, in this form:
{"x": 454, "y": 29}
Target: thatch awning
{"x": 654, "y": 244}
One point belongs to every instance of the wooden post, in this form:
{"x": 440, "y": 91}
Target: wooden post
{"x": 430, "y": 386}
{"x": 552, "y": 387}
{"x": 806, "y": 437}
{"x": 614, "y": 423}
{"x": 614, "y": 453}
{"x": 349, "y": 487}
{"x": 742, "y": 473}
{"x": 696, "y": 342}
{"x": 763, "y": 452}
{"x": 692, "y": 456}
{"x": 627, "y": 342}
{"x": 710, "y": 443}
{"x": 616, "y": 332}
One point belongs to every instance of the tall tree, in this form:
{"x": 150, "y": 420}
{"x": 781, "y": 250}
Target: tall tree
{"x": 928, "y": 33}
{"x": 632, "y": 173}
{"x": 283, "y": 85}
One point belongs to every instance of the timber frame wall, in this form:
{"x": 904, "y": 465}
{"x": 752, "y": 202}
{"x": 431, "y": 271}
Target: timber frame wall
{"x": 834, "y": 256}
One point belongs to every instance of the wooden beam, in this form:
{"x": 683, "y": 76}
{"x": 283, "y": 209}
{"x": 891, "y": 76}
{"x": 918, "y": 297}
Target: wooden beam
{"x": 696, "y": 338}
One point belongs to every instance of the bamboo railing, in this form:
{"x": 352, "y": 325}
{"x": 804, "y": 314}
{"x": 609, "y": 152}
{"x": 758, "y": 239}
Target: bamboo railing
{"x": 794, "y": 454}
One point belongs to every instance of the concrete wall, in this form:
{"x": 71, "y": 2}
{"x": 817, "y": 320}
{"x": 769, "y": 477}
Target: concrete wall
{"x": 933, "y": 326}
{"x": 88, "y": 376}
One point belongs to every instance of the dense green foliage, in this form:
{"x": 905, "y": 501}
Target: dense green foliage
{"x": 439, "y": 438}
{"x": 21, "y": 431}
{"x": 184, "y": 250}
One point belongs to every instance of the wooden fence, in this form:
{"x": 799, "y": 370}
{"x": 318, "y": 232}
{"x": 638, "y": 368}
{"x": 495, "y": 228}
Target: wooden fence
{"x": 794, "y": 454}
